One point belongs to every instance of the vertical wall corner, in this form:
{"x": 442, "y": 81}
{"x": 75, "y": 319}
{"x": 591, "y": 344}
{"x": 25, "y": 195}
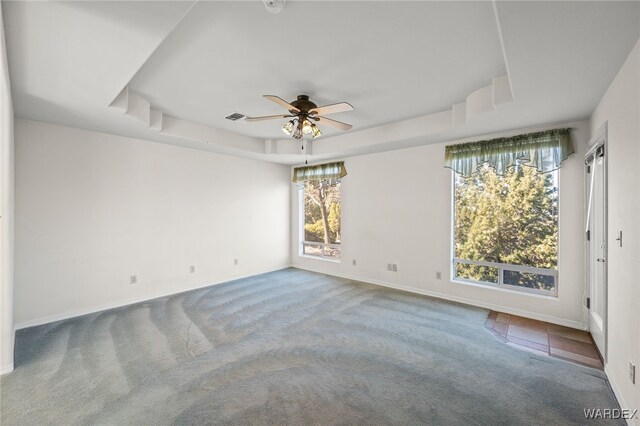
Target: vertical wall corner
{"x": 156, "y": 119}
{"x": 122, "y": 100}
{"x": 268, "y": 146}
{"x": 501, "y": 90}
{"x": 480, "y": 101}
{"x": 138, "y": 107}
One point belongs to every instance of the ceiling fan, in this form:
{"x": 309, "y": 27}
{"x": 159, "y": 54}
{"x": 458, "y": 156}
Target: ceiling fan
{"x": 304, "y": 114}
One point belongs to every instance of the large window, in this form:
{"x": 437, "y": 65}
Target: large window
{"x": 506, "y": 229}
{"x": 321, "y": 225}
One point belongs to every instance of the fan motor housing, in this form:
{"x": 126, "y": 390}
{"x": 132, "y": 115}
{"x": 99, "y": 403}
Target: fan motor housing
{"x": 303, "y": 104}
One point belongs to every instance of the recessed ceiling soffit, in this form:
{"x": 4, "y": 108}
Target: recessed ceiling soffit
{"x": 483, "y": 100}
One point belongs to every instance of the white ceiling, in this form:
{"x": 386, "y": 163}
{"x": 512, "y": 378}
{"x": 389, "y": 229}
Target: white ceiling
{"x": 393, "y": 61}
{"x": 390, "y": 60}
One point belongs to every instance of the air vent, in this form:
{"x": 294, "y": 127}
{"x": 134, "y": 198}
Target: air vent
{"x": 234, "y": 117}
{"x": 273, "y": 6}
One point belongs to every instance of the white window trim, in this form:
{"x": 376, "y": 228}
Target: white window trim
{"x": 301, "y": 240}
{"x": 506, "y": 289}
{"x": 502, "y": 266}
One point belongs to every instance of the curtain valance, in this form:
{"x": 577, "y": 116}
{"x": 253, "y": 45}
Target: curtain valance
{"x": 542, "y": 150}
{"x": 319, "y": 172}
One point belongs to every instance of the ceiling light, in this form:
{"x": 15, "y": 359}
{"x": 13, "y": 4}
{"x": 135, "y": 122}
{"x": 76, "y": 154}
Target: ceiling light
{"x": 302, "y": 113}
{"x": 315, "y": 131}
{"x": 306, "y": 127}
{"x": 298, "y": 132}
{"x": 288, "y": 127}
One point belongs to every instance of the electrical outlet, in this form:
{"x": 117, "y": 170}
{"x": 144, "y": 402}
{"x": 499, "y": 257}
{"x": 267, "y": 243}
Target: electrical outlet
{"x": 632, "y": 373}
{"x": 235, "y": 261}
{"x": 133, "y": 279}
{"x": 353, "y": 262}
{"x": 395, "y": 268}
{"x": 438, "y": 275}
{"x": 389, "y": 267}
{"x": 192, "y": 269}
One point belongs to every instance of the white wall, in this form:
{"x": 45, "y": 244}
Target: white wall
{"x": 396, "y": 208}
{"x": 6, "y": 211}
{"x": 620, "y": 108}
{"x": 93, "y": 209}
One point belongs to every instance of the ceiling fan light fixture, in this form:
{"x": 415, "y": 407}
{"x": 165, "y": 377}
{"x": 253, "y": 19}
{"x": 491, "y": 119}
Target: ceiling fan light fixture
{"x": 302, "y": 113}
{"x": 315, "y": 131}
{"x": 288, "y": 127}
{"x": 298, "y": 133}
{"x": 307, "y": 127}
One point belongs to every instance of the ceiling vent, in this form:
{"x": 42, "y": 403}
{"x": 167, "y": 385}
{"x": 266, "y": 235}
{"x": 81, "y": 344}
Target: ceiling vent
{"x": 234, "y": 117}
{"x": 273, "y": 6}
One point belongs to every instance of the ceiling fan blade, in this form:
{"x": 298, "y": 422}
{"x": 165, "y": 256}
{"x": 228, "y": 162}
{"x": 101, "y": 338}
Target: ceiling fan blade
{"x": 332, "y": 109}
{"x": 267, "y": 117}
{"x": 334, "y": 123}
{"x": 282, "y": 103}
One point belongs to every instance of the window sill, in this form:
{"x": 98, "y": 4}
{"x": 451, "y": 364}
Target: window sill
{"x": 495, "y": 287}
{"x": 324, "y": 259}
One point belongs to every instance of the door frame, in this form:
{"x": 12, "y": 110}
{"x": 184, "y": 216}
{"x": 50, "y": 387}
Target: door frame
{"x": 599, "y": 139}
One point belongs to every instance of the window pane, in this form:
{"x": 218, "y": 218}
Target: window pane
{"x": 322, "y": 218}
{"x": 319, "y": 249}
{"x": 529, "y": 280}
{"x": 312, "y": 249}
{"x": 486, "y": 274}
{"x": 510, "y": 219}
{"x": 332, "y": 252}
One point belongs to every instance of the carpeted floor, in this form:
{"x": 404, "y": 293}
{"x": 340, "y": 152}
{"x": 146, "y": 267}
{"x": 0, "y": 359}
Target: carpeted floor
{"x": 289, "y": 347}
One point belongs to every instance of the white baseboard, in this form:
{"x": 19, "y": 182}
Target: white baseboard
{"x": 6, "y": 369}
{"x": 495, "y": 307}
{"x": 120, "y": 303}
{"x": 618, "y": 395}
{"x": 506, "y": 309}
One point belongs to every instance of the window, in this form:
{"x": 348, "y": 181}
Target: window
{"x": 321, "y": 225}
{"x": 506, "y": 229}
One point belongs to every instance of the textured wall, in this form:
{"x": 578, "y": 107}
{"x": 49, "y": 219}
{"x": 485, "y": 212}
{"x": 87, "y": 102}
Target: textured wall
{"x": 93, "y": 209}
{"x": 620, "y": 108}
{"x": 396, "y": 208}
{"x": 6, "y": 211}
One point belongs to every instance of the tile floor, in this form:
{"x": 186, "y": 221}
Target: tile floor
{"x": 541, "y": 337}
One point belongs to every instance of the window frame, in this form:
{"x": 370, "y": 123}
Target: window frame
{"x": 502, "y": 267}
{"x": 301, "y": 233}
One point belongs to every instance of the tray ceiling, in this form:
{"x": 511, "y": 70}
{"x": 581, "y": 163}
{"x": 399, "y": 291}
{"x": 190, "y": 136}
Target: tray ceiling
{"x": 416, "y": 72}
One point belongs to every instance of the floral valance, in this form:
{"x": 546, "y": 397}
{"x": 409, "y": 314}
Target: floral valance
{"x": 319, "y": 172}
{"x": 543, "y": 150}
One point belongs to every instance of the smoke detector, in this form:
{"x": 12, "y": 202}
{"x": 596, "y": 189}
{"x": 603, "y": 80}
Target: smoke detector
{"x": 273, "y": 6}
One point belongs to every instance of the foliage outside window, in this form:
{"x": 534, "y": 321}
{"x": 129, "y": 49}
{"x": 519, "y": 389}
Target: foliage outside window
{"x": 322, "y": 218}
{"x": 506, "y": 228}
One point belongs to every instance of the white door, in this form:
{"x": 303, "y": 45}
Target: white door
{"x": 597, "y": 247}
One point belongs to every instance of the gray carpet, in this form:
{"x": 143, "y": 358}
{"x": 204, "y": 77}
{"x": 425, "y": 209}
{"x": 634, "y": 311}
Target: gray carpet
{"x": 290, "y": 347}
